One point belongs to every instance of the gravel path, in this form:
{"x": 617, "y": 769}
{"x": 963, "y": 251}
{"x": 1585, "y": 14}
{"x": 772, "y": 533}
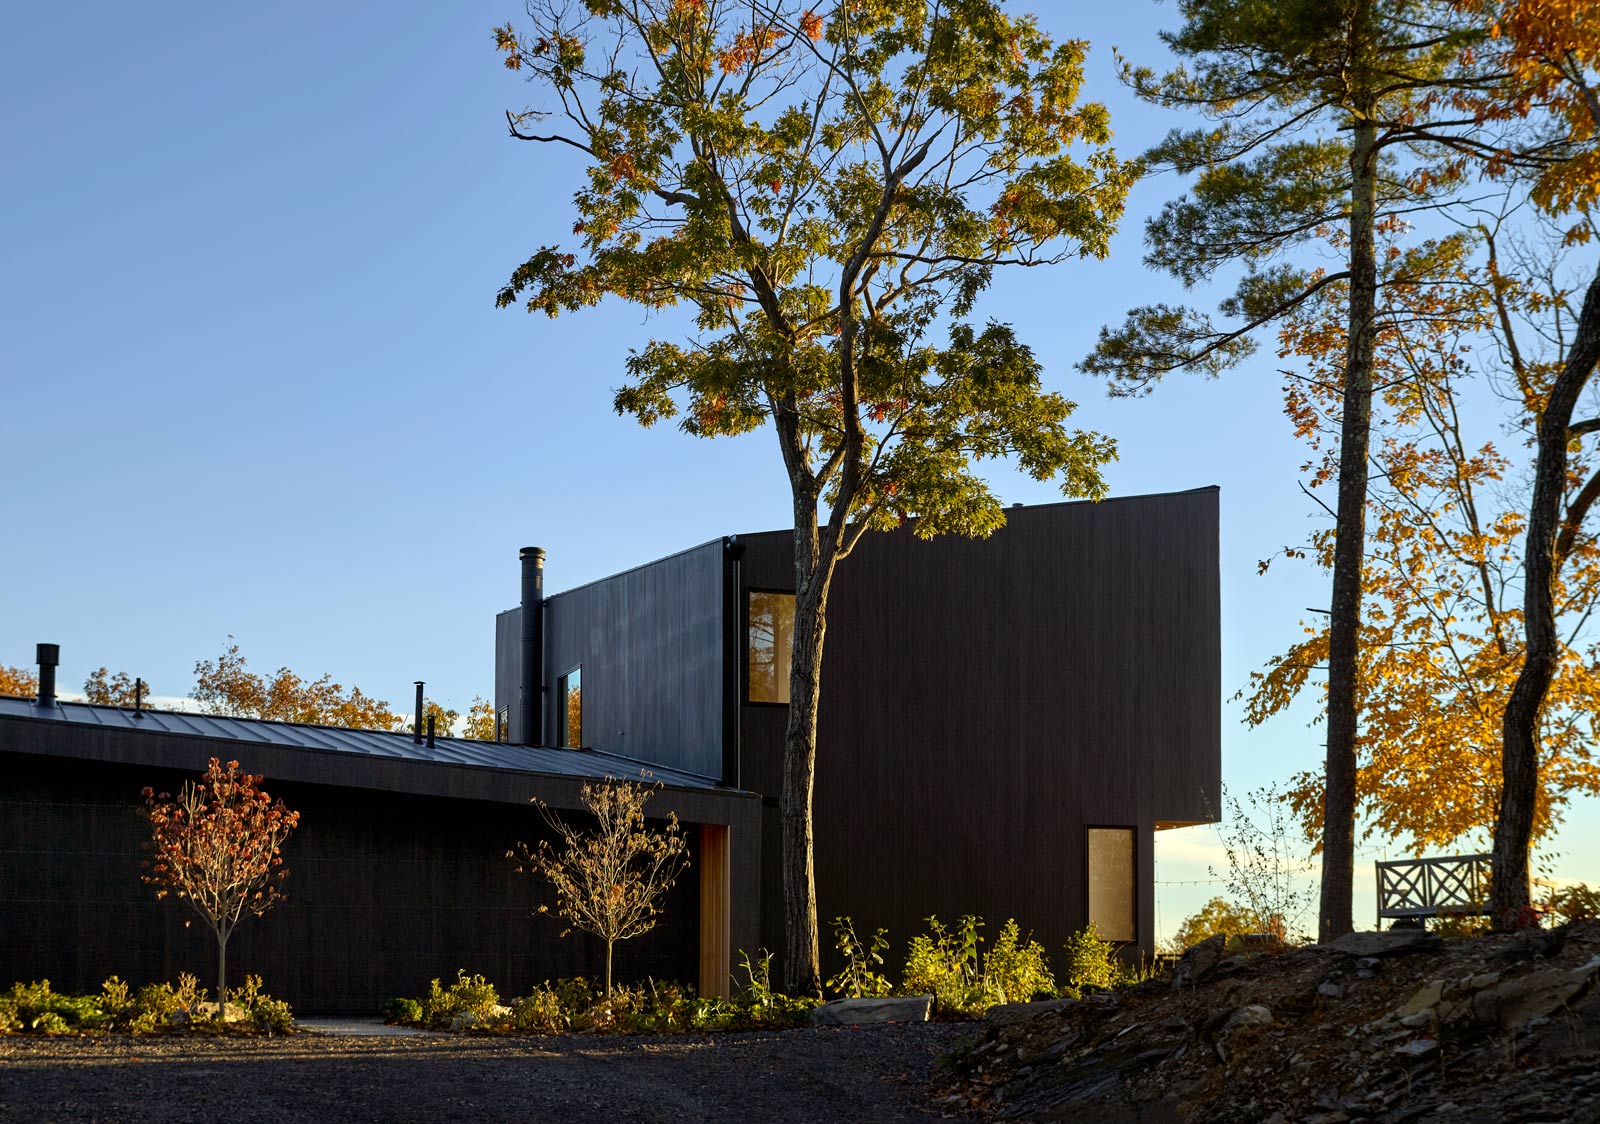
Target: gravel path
{"x": 876, "y": 1074}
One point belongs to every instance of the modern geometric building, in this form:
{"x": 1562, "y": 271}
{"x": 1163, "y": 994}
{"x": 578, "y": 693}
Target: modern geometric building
{"x": 1005, "y": 724}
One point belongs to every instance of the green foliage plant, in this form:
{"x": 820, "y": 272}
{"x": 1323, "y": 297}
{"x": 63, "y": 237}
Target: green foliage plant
{"x": 1091, "y": 962}
{"x": 826, "y": 194}
{"x": 943, "y": 963}
{"x": 36, "y": 1008}
{"x": 1016, "y": 970}
{"x": 470, "y": 994}
{"x": 859, "y": 977}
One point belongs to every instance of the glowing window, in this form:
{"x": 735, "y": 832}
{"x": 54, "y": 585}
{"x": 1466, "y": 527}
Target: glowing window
{"x": 769, "y": 644}
{"x": 1112, "y": 883}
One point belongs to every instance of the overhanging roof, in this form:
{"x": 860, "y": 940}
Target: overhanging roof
{"x": 251, "y": 732}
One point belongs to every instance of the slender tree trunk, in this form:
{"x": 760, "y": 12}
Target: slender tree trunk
{"x": 1509, "y": 895}
{"x": 609, "y": 945}
{"x": 1344, "y": 622}
{"x": 802, "y": 964}
{"x": 222, "y": 974}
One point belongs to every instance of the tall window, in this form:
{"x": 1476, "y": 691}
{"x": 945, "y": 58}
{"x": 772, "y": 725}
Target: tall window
{"x": 569, "y": 708}
{"x": 1111, "y": 882}
{"x": 769, "y": 641}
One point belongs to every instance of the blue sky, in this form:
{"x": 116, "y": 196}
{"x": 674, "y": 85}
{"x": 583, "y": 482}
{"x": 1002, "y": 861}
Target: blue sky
{"x": 255, "y": 382}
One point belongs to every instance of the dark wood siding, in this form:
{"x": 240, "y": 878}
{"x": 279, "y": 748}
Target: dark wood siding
{"x": 508, "y": 668}
{"x": 650, "y": 644}
{"x": 386, "y": 892}
{"x": 985, "y": 702}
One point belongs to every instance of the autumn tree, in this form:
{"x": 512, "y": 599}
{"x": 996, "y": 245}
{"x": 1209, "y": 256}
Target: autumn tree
{"x": 827, "y": 192}
{"x": 1324, "y": 115}
{"x": 227, "y": 686}
{"x": 609, "y": 881}
{"x": 105, "y": 689}
{"x": 216, "y": 846}
{"x": 1218, "y": 917}
{"x": 18, "y": 682}
{"x": 1552, "y": 47}
{"x": 1441, "y": 632}
{"x": 480, "y": 723}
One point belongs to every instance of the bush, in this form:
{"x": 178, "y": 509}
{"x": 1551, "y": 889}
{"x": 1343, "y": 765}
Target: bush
{"x": 1578, "y": 902}
{"x": 943, "y": 963}
{"x": 572, "y": 1006}
{"x": 33, "y": 1008}
{"x": 859, "y": 977}
{"x": 472, "y": 995}
{"x": 403, "y": 1012}
{"x": 1091, "y": 962}
{"x": 1015, "y": 971}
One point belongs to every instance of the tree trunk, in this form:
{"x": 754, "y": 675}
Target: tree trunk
{"x": 609, "y": 945}
{"x": 1344, "y": 622}
{"x": 222, "y": 975}
{"x": 802, "y": 965}
{"x": 1509, "y": 895}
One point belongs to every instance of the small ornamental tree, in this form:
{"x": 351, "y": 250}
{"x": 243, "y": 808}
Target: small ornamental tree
{"x": 216, "y": 846}
{"x": 609, "y": 882}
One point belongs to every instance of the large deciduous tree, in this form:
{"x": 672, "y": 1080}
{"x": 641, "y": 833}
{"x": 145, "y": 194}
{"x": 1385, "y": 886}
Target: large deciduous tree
{"x": 828, "y": 191}
{"x": 217, "y": 846}
{"x": 1326, "y": 115}
{"x": 1441, "y": 632}
{"x": 1552, "y": 48}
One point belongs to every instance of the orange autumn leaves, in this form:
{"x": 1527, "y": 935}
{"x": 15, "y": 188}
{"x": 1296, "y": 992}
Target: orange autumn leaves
{"x": 1441, "y": 633}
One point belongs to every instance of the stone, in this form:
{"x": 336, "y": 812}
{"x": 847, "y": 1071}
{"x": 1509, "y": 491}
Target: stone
{"x": 1330, "y": 990}
{"x": 1008, "y": 1014}
{"x": 1424, "y": 999}
{"x": 1418, "y": 1020}
{"x": 1198, "y": 961}
{"x": 1513, "y": 1003}
{"x": 1391, "y": 943}
{"x": 1417, "y": 1049}
{"x": 858, "y": 1012}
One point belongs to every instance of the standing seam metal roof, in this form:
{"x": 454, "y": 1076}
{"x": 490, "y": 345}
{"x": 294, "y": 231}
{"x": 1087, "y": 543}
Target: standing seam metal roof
{"x": 582, "y": 764}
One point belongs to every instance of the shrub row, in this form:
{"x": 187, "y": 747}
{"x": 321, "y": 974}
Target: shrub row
{"x": 575, "y": 1006}
{"x": 33, "y": 1008}
{"x": 948, "y": 963}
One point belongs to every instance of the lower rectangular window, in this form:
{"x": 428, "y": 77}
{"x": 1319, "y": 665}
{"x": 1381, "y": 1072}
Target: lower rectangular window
{"x": 569, "y": 708}
{"x": 1112, "y": 883}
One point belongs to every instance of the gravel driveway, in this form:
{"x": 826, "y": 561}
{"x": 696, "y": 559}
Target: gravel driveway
{"x": 876, "y": 1074}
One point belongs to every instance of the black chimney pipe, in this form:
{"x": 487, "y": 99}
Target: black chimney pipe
{"x": 416, "y": 729}
{"x": 530, "y": 685}
{"x": 430, "y": 731}
{"x": 48, "y": 656}
{"x": 138, "y": 698}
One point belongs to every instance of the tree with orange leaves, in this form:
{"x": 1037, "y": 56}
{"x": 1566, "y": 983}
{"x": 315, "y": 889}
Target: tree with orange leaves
{"x": 1552, "y": 47}
{"x": 18, "y": 681}
{"x": 216, "y": 847}
{"x": 1441, "y": 633}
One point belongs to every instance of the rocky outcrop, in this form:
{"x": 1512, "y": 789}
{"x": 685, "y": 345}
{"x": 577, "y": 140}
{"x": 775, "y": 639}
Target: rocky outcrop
{"x": 1384, "y": 1029}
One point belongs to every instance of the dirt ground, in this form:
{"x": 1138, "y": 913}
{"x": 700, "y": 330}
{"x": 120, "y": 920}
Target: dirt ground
{"x": 877, "y": 1074}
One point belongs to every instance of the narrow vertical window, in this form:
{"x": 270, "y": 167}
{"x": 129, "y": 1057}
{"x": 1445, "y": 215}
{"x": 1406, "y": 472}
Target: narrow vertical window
{"x": 1112, "y": 883}
{"x": 569, "y": 708}
{"x": 769, "y": 643}
{"x": 502, "y": 725}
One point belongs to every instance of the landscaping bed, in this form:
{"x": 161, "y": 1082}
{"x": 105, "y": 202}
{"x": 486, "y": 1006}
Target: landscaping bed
{"x": 877, "y": 1073}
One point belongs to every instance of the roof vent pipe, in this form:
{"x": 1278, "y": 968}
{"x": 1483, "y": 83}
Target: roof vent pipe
{"x": 48, "y": 656}
{"x": 530, "y": 682}
{"x": 416, "y": 727}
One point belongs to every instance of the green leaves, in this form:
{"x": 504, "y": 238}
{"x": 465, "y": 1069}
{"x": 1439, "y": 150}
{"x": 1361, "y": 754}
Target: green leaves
{"x": 829, "y": 191}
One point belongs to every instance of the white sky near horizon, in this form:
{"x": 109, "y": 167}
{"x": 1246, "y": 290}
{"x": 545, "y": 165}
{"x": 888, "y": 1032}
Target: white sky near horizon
{"x": 255, "y": 384}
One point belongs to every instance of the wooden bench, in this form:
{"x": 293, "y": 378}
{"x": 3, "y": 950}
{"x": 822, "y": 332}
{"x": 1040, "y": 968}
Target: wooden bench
{"x": 1412, "y": 890}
